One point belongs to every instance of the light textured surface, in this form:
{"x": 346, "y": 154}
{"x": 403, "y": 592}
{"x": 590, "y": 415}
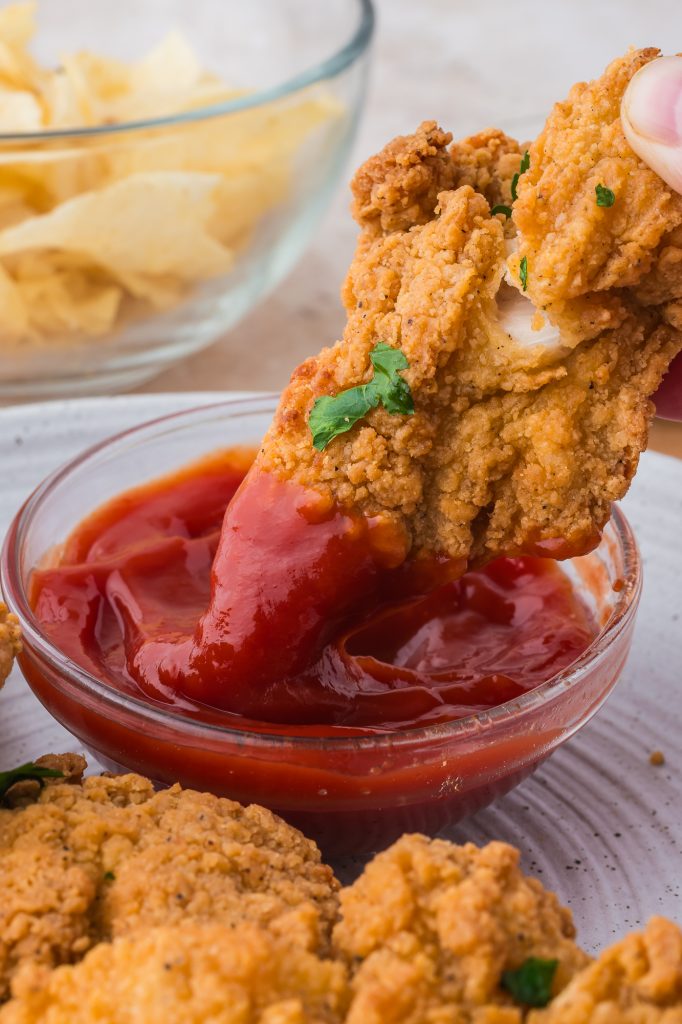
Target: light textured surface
{"x": 598, "y": 823}
{"x": 469, "y": 65}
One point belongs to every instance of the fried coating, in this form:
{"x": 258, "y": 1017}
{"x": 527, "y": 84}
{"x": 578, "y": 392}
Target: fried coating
{"x": 587, "y": 262}
{"x": 10, "y": 641}
{"x": 519, "y": 441}
{"x": 429, "y": 927}
{"x": 399, "y": 187}
{"x": 111, "y": 857}
{"x": 637, "y": 981}
{"x": 488, "y": 162}
{"x": 187, "y": 974}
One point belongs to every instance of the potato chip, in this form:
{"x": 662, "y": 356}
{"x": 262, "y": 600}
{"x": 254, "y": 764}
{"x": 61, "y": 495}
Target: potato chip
{"x": 154, "y": 223}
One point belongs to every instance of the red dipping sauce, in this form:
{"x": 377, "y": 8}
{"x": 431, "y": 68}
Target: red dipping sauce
{"x": 134, "y": 579}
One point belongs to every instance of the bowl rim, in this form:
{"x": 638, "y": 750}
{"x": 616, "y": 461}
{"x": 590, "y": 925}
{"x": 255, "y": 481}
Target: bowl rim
{"x": 71, "y": 675}
{"x": 330, "y": 67}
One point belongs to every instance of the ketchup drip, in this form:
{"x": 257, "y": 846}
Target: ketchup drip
{"x": 307, "y": 615}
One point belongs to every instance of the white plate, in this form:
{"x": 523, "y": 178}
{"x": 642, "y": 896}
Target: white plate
{"x": 597, "y": 822}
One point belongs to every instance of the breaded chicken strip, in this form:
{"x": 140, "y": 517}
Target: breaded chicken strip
{"x": 519, "y": 436}
{"x": 10, "y": 641}
{"x": 637, "y": 981}
{"x": 187, "y": 974}
{"x": 89, "y": 862}
{"x": 429, "y": 927}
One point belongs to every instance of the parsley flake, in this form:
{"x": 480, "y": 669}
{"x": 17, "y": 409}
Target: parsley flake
{"x": 605, "y": 197}
{"x": 109, "y": 876}
{"x": 523, "y": 167}
{"x": 523, "y": 272}
{"x": 334, "y": 415}
{"x": 506, "y": 210}
{"x": 531, "y": 983}
{"x": 34, "y": 772}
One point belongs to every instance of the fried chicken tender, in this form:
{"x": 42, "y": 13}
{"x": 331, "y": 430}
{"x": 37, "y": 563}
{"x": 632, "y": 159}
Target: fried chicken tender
{"x": 111, "y": 857}
{"x": 187, "y": 974}
{"x": 429, "y": 927}
{"x": 516, "y": 440}
{"x": 10, "y": 641}
{"x": 637, "y": 981}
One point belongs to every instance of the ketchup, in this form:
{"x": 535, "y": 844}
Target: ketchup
{"x": 297, "y": 613}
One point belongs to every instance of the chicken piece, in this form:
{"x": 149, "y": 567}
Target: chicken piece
{"x": 89, "y": 862}
{"x": 589, "y": 265}
{"x": 24, "y": 792}
{"x": 10, "y": 641}
{"x": 637, "y": 981}
{"x": 521, "y": 437}
{"x": 186, "y": 974}
{"x": 429, "y": 927}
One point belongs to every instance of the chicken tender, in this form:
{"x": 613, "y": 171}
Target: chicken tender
{"x": 187, "y": 974}
{"x": 429, "y": 927}
{"x": 10, "y": 641}
{"x": 637, "y": 981}
{"x": 110, "y": 857}
{"x": 529, "y": 415}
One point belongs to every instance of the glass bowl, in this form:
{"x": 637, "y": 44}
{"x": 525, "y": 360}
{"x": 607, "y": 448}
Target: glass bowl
{"x": 350, "y": 794}
{"x": 79, "y": 316}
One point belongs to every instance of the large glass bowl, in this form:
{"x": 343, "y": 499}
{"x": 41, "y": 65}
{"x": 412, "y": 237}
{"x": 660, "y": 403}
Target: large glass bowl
{"x": 351, "y": 794}
{"x": 276, "y": 150}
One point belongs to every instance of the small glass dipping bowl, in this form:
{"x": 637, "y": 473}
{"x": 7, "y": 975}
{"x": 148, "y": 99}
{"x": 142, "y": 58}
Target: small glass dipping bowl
{"x": 350, "y": 794}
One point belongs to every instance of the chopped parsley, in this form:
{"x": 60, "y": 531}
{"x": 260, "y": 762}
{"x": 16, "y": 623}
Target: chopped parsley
{"x": 605, "y": 197}
{"x": 523, "y": 167}
{"x": 523, "y": 272}
{"x": 531, "y": 983}
{"x": 35, "y": 772}
{"x": 334, "y": 415}
{"x": 109, "y": 876}
{"x": 506, "y": 210}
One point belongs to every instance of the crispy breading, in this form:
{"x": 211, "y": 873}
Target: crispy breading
{"x": 430, "y": 927}
{"x": 581, "y": 255}
{"x": 488, "y": 162}
{"x": 10, "y": 641}
{"x": 111, "y": 857}
{"x": 637, "y": 981}
{"x": 399, "y": 187}
{"x": 187, "y": 974}
{"x": 514, "y": 442}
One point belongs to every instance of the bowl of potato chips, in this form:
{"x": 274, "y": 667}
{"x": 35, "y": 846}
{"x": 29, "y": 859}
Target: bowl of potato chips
{"x": 162, "y": 166}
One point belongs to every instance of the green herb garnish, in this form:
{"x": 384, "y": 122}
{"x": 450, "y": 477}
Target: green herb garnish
{"x": 506, "y": 210}
{"x": 109, "y": 876}
{"x": 531, "y": 984}
{"x": 523, "y": 167}
{"x": 35, "y": 772}
{"x": 605, "y": 197}
{"x": 523, "y": 272}
{"x": 334, "y": 415}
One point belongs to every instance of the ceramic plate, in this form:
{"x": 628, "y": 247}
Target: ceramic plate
{"x": 597, "y": 822}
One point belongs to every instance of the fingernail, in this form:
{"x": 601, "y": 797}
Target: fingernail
{"x": 653, "y": 101}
